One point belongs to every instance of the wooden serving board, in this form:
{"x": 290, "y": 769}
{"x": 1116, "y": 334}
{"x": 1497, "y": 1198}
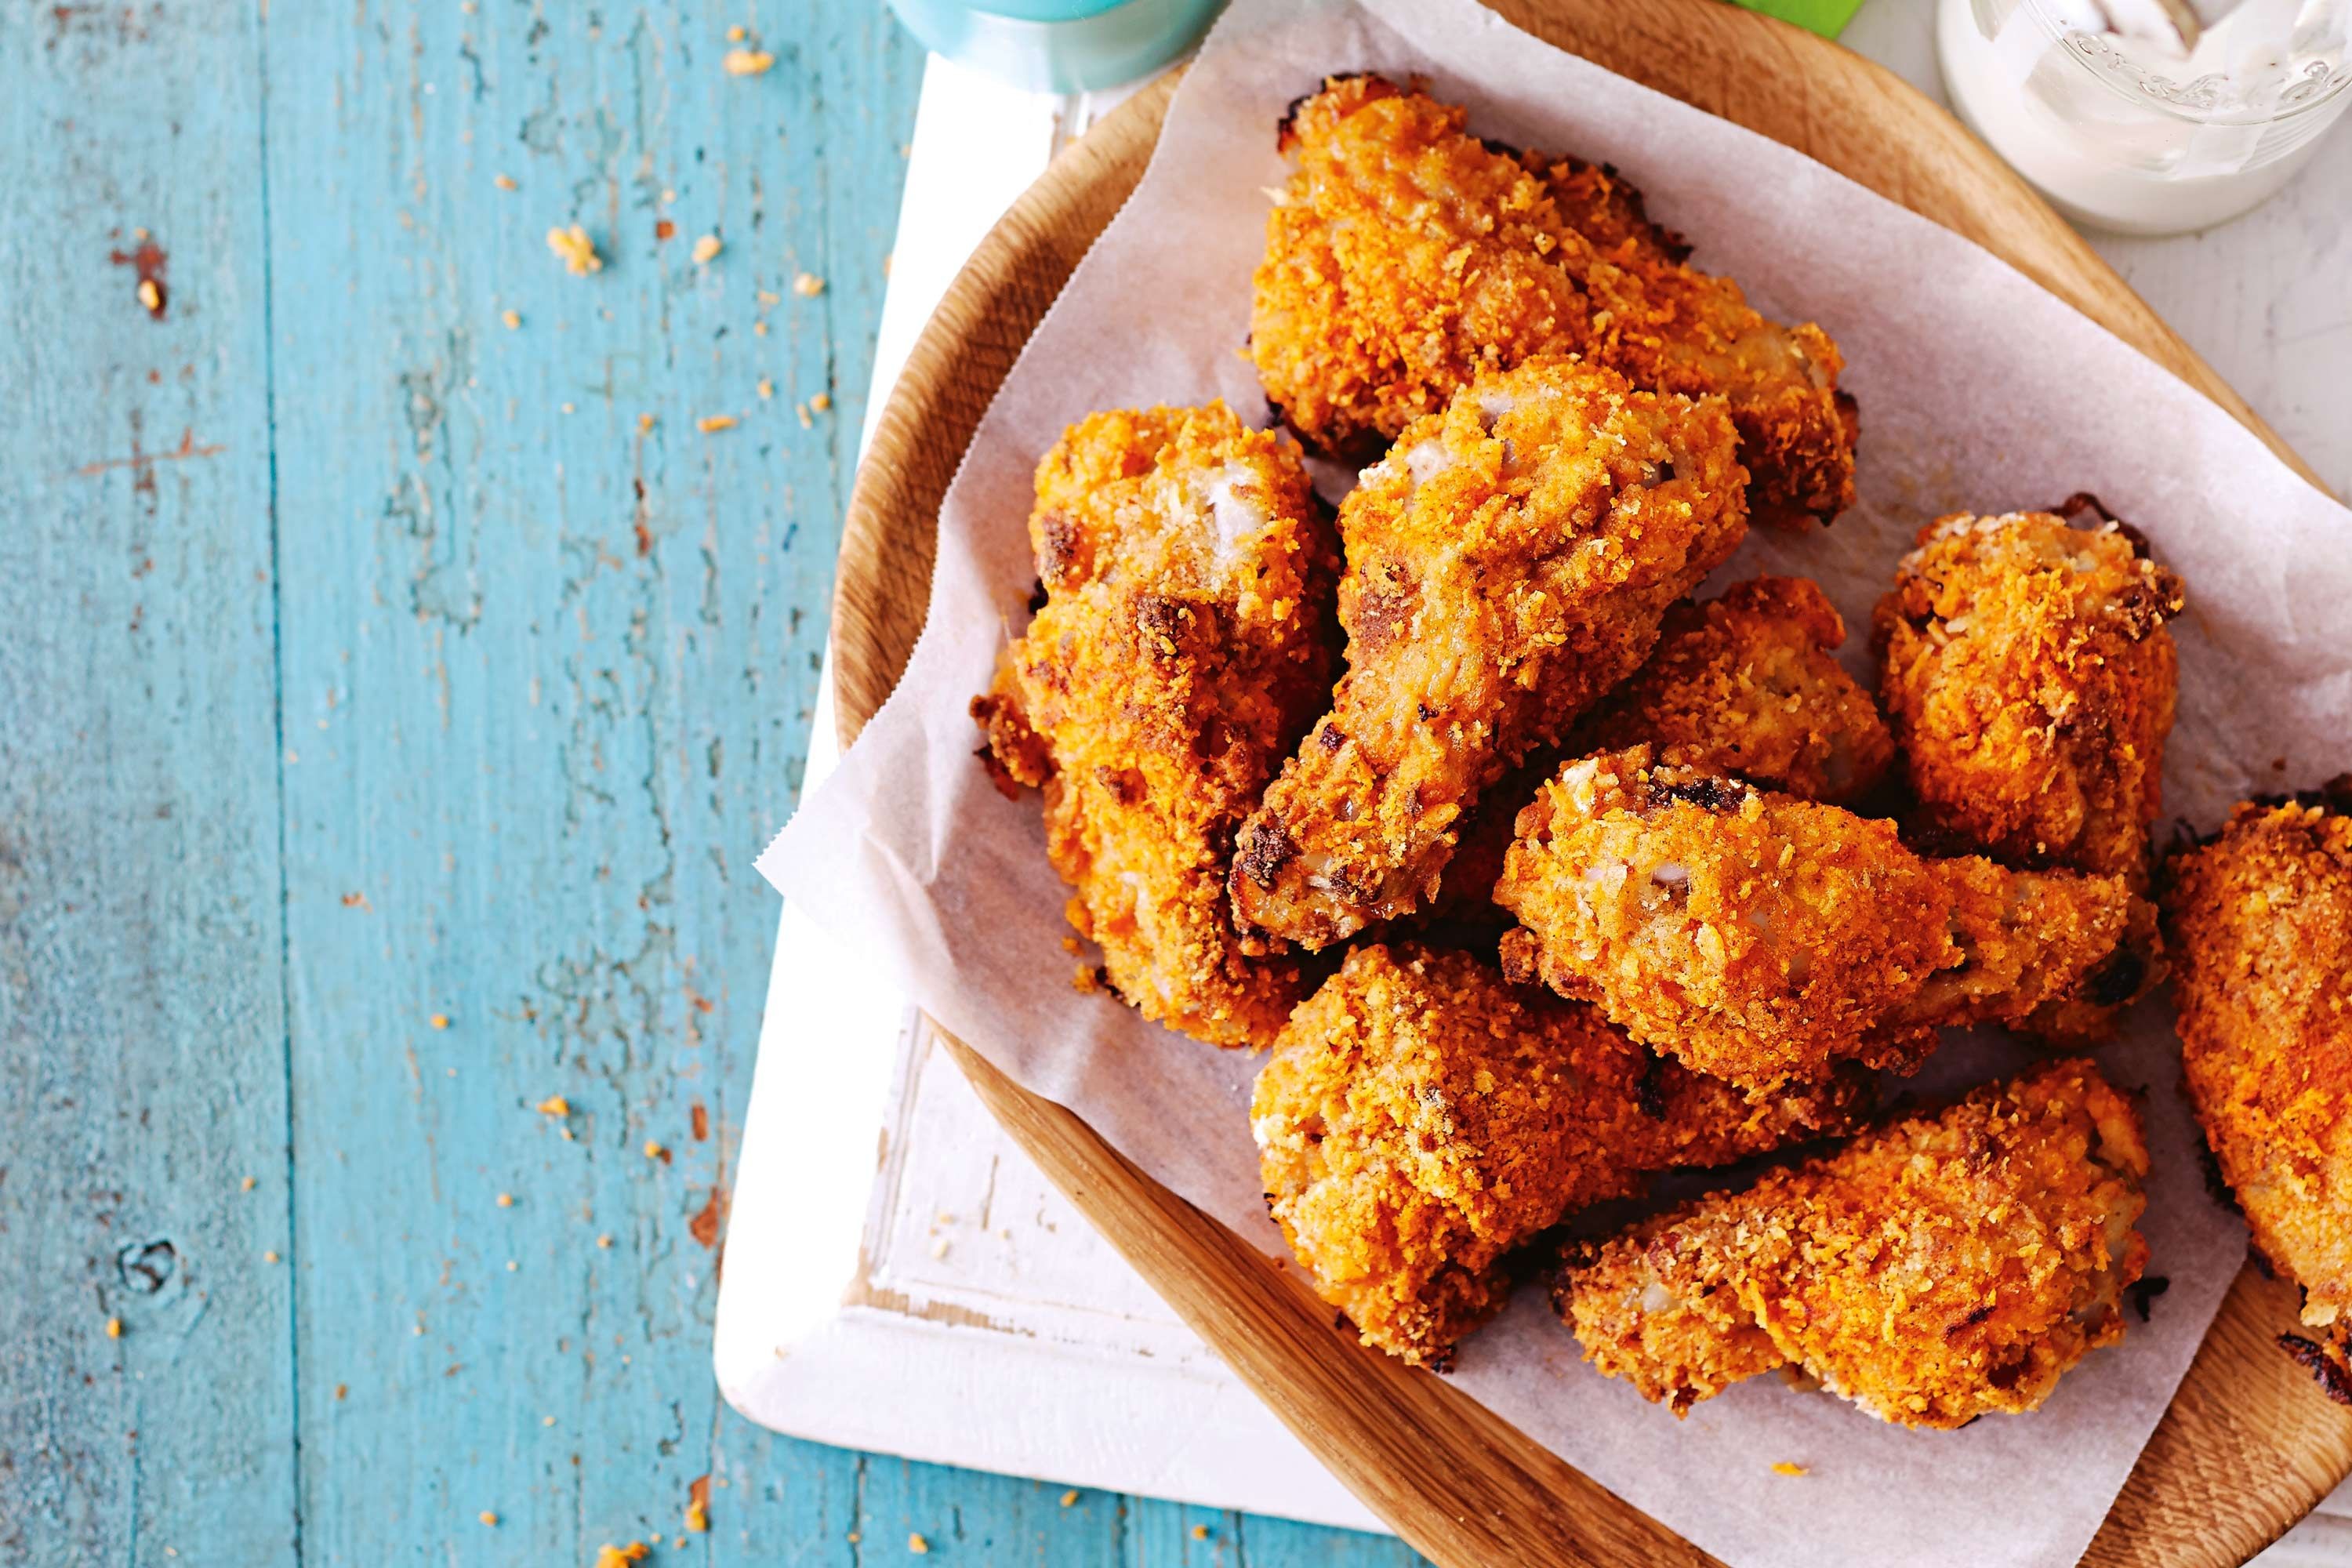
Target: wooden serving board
{"x": 2248, "y": 1446}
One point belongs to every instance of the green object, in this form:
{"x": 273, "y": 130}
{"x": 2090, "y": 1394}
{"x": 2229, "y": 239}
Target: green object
{"x": 1827, "y": 17}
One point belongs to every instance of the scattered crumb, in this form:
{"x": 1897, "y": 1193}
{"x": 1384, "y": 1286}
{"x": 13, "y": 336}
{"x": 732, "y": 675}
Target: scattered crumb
{"x": 269, "y": 1257}
{"x": 555, "y": 1105}
{"x": 707, "y": 246}
{"x": 808, "y": 285}
{"x": 356, "y": 902}
{"x": 486, "y": 1517}
{"x": 611, "y": 1556}
{"x": 644, "y": 422}
{"x": 768, "y": 297}
{"x": 575, "y": 250}
{"x": 767, "y": 389}
{"x": 940, "y": 1248}
{"x": 748, "y": 62}
{"x": 150, "y": 296}
{"x": 1070, "y": 1498}
{"x": 917, "y": 1545}
{"x": 663, "y": 229}
{"x": 1200, "y": 1532}
{"x": 511, "y": 1266}
{"x": 342, "y": 1389}
{"x": 439, "y": 1020}
{"x": 735, "y": 34}
{"x": 802, "y": 410}
{"x": 821, "y": 402}
{"x": 513, "y": 319}
{"x": 503, "y": 182}
{"x": 711, "y": 422}
{"x": 759, "y": 329}
{"x": 245, "y": 1185}
{"x": 606, "y": 1240}
{"x": 1785, "y": 1468}
{"x": 547, "y": 1420}
{"x": 113, "y": 1328}
{"x": 506, "y": 1200}
{"x": 565, "y": 1133}
{"x": 698, "y": 1506}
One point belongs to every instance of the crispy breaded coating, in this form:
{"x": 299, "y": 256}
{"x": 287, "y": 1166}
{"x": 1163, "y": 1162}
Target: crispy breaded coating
{"x": 1933, "y": 1271}
{"x": 1745, "y": 684}
{"x": 1419, "y": 1119}
{"x": 1508, "y": 563}
{"x": 1185, "y": 644}
{"x": 2031, "y": 682}
{"x": 1405, "y": 258}
{"x": 2259, "y": 920}
{"x": 1761, "y": 938}
{"x": 2030, "y": 679}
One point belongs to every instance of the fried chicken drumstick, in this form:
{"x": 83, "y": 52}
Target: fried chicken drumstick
{"x": 1761, "y": 938}
{"x": 1419, "y": 1119}
{"x": 2030, "y": 679}
{"x": 2259, "y": 922}
{"x": 1746, "y": 684}
{"x": 1935, "y": 1270}
{"x": 1184, "y": 645}
{"x": 1508, "y": 563}
{"x": 1405, "y": 258}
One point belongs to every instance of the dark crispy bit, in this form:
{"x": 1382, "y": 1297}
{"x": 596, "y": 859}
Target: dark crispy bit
{"x": 1185, "y": 644}
{"x": 1936, "y": 1269}
{"x": 1406, "y": 257}
{"x": 2259, "y": 923}
{"x": 1762, "y": 938}
{"x": 1508, "y": 563}
{"x": 1419, "y": 1119}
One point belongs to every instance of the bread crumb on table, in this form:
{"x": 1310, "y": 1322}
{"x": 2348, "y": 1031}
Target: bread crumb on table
{"x": 917, "y": 1545}
{"x": 575, "y": 250}
{"x": 807, "y": 285}
{"x": 748, "y": 62}
{"x": 555, "y": 1105}
{"x": 716, "y": 422}
{"x": 707, "y": 246}
{"x": 1070, "y": 1496}
{"x": 486, "y": 1517}
{"x": 113, "y": 1328}
{"x": 1785, "y": 1468}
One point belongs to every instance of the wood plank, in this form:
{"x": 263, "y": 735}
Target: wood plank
{"x": 1451, "y": 1478}
{"x": 547, "y": 680}
{"x": 139, "y": 1007}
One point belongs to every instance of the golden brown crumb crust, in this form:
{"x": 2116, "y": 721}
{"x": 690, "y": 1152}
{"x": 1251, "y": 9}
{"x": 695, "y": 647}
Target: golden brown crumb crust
{"x": 2260, "y": 926}
{"x": 1405, "y": 258}
{"x": 1420, "y": 1117}
{"x": 1184, "y": 645}
{"x": 1508, "y": 563}
{"x": 1746, "y": 684}
{"x": 2031, "y": 682}
{"x": 1761, "y": 938}
{"x": 1934, "y": 1270}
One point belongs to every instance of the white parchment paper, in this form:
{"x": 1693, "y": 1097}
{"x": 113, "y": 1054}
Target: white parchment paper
{"x": 1979, "y": 392}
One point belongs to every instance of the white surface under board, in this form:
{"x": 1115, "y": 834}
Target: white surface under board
{"x": 900, "y": 1278}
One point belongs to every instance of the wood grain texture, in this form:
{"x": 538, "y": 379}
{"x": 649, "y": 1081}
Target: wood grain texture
{"x": 347, "y": 680}
{"x": 140, "y": 1025}
{"x": 2247, "y": 1448}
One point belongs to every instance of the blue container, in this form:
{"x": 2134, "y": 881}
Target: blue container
{"x": 1059, "y": 45}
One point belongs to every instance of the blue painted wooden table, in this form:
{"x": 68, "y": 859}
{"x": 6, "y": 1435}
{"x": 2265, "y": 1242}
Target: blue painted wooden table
{"x": 401, "y": 661}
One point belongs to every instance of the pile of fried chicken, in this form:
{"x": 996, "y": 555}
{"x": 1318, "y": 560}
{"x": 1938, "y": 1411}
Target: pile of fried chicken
{"x": 1539, "y": 878}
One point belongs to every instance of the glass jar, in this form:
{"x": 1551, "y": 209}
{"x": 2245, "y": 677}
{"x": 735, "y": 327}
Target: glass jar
{"x": 1059, "y": 45}
{"x": 2122, "y": 133}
